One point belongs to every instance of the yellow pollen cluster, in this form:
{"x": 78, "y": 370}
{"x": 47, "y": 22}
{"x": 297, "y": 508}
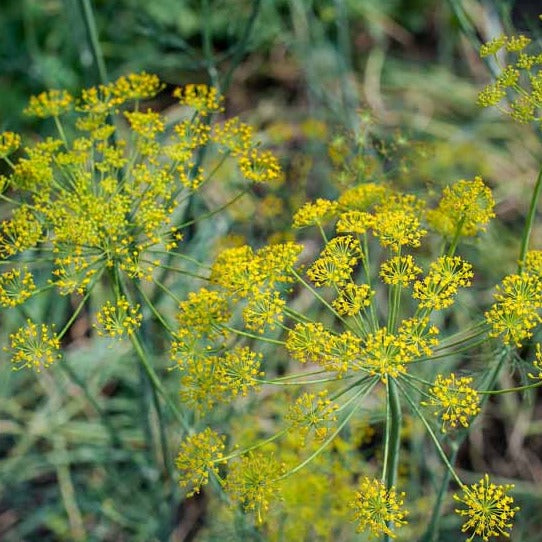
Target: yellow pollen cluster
{"x": 453, "y": 400}
{"x": 203, "y": 312}
{"x": 383, "y": 355}
{"x": 253, "y": 481}
{"x": 438, "y": 288}
{"x": 354, "y": 222}
{"x": 377, "y": 508}
{"x": 199, "y": 456}
{"x": 352, "y": 299}
{"x": 464, "y": 209}
{"x": 16, "y": 286}
{"x": 51, "y": 103}
{"x": 362, "y": 197}
{"x": 533, "y": 262}
{"x": 9, "y": 143}
{"x": 315, "y": 213}
{"x": 336, "y": 261}
{"x": 118, "y": 320}
{"x": 312, "y": 412}
{"x": 537, "y": 363}
{"x": 264, "y": 309}
{"x": 202, "y": 98}
{"x": 260, "y": 166}
{"x": 399, "y": 270}
{"x": 516, "y": 311}
{"x": 489, "y": 509}
{"x": 34, "y": 346}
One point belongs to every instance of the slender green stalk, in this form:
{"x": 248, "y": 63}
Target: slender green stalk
{"x": 158, "y": 384}
{"x": 359, "y": 396}
{"x": 393, "y": 434}
{"x": 529, "y": 221}
{"x": 90, "y": 25}
{"x": 431, "y": 534}
{"x": 434, "y": 437}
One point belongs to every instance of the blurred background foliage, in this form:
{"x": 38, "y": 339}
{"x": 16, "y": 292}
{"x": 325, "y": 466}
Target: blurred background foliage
{"x": 344, "y": 91}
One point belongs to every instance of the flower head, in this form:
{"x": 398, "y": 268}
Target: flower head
{"x": 453, "y": 400}
{"x": 119, "y": 319}
{"x": 34, "y": 346}
{"x": 376, "y": 508}
{"x": 489, "y": 509}
{"x": 199, "y": 455}
{"x": 253, "y": 481}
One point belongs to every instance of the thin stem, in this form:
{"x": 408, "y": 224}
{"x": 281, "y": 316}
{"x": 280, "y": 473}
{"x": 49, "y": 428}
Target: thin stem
{"x": 157, "y": 384}
{"x": 214, "y": 212}
{"x": 434, "y": 437}
{"x": 321, "y": 299}
{"x": 251, "y": 335}
{"x": 362, "y": 393}
{"x": 90, "y": 24}
{"x": 393, "y": 434}
{"x": 510, "y": 390}
{"x": 530, "y": 221}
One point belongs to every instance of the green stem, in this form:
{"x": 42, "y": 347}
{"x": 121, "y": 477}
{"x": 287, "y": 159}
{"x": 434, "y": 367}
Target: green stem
{"x": 90, "y": 24}
{"x": 432, "y": 434}
{"x": 362, "y": 393}
{"x": 393, "y": 434}
{"x": 530, "y": 221}
{"x": 158, "y": 385}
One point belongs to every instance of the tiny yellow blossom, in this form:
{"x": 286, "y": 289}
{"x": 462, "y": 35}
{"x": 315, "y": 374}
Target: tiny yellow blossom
{"x": 253, "y": 481}
{"x": 119, "y": 319}
{"x": 489, "y": 509}
{"x": 51, "y": 103}
{"x": 314, "y": 213}
{"x": 16, "y": 286}
{"x": 199, "y": 456}
{"x": 377, "y": 508}
{"x": 34, "y": 346}
{"x": 202, "y": 98}
{"x": 453, "y": 400}
{"x": 9, "y": 143}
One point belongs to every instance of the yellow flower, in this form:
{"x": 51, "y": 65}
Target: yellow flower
{"x": 515, "y": 312}
{"x": 119, "y": 319}
{"x": 312, "y": 412}
{"x": 493, "y": 46}
{"x": 34, "y": 346}
{"x": 354, "y": 222}
{"x": 200, "y": 455}
{"x": 362, "y": 197}
{"x": 446, "y": 275}
{"x": 264, "y": 309}
{"x": 309, "y": 342}
{"x": 384, "y": 354}
{"x": 137, "y": 86}
{"x": 16, "y": 286}
{"x": 202, "y": 98}
{"x": 51, "y": 103}
{"x": 377, "y": 508}
{"x": 9, "y": 143}
{"x": 489, "y": 509}
{"x": 399, "y": 270}
{"x": 464, "y": 209}
{"x": 253, "y": 481}
{"x": 203, "y": 312}
{"x": 314, "y": 213}
{"x": 260, "y": 166}
{"x": 352, "y": 299}
{"x": 336, "y": 261}
{"x": 453, "y": 400}
{"x": 537, "y": 363}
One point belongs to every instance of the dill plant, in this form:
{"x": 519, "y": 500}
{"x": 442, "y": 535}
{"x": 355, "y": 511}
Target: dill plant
{"x": 389, "y": 266}
{"x": 100, "y": 210}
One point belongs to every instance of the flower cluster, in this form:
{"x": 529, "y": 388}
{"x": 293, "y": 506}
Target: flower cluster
{"x": 35, "y": 346}
{"x": 489, "y": 509}
{"x": 119, "y": 319}
{"x": 453, "y": 400}
{"x": 198, "y": 457}
{"x": 516, "y": 311}
{"x": 378, "y": 509}
{"x": 520, "y": 80}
